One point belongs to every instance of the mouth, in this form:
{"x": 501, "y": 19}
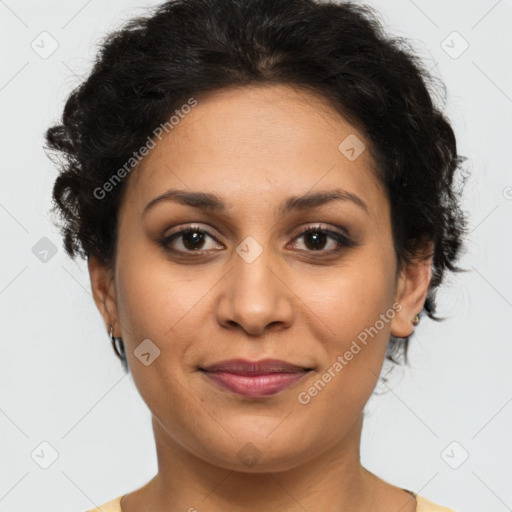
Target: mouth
{"x": 255, "y": 379}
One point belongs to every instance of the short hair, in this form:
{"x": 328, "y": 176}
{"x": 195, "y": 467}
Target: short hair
{"x": 339, "y": 51}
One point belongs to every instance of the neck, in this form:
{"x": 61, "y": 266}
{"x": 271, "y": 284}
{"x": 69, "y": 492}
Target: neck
{"x": 333, "y": 480}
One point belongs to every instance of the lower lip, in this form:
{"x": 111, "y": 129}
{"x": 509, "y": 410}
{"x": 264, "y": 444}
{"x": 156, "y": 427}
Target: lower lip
{"x": 257, "y": 386}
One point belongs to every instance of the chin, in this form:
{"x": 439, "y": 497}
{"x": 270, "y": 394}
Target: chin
{"x": 251, "y": 458}
{"x": 248, "y": 452}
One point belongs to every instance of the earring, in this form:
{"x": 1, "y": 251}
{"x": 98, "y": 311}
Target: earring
{"x": 114, "y": 344}
{"x": 415, "y": 319}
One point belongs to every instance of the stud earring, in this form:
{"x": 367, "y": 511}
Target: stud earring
{"x": 415, "y": 319}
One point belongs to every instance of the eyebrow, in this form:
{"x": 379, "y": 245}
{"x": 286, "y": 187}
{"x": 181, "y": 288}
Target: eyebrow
{"x": 214, "y": 203}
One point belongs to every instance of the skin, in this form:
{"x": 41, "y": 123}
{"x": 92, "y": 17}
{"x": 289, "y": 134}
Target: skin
{"x": 256, "y": 146}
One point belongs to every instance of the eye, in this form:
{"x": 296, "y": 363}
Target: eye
{"x": 317, "y": 238}
{"x": 189, "y": 239}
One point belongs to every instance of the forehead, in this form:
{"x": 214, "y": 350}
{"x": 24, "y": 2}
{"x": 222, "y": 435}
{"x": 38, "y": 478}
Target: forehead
{"x": 266, "y": 142}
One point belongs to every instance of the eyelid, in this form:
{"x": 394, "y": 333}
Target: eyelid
{"x": 326, "y": 228}
{"x": 188, "y": 227}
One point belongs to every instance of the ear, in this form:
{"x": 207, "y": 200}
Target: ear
{"x": 412, "y": 288}
{"x": 103, "y": 292}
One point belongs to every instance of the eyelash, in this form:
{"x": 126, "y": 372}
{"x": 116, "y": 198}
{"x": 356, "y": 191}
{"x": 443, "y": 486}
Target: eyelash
{"x": 341, "y": 239}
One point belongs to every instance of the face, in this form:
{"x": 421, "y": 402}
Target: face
{"x": 246, "y": 283}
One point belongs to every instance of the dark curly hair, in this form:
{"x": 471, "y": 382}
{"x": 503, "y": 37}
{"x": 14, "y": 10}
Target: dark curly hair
{"x": 186, "y": 48}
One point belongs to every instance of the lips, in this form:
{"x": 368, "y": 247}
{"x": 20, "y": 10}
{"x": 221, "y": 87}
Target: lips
{"x": 245, "y": 367}
{"x": 256, "y": 379}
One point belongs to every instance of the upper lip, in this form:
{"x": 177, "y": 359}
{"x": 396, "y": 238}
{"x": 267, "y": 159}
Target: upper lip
{"x": 246, "y": 367}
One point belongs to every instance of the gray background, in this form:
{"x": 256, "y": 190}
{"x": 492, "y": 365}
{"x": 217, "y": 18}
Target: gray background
{"x": 60, "y": 380}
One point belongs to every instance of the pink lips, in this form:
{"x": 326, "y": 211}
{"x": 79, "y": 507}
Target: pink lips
{"x": 255, "y": 379}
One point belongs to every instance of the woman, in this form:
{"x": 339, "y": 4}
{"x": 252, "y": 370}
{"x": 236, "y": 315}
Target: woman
{"x": 264, "y": 192}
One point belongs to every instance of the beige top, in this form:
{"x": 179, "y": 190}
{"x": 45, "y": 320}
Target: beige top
{"x": 423, "y": 505}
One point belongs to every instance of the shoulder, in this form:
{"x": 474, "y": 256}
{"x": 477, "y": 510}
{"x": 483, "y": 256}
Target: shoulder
{"x": 111, "y": 506}
{"x": 424, "y": 505}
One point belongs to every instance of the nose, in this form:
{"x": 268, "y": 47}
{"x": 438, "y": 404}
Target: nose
{"x": 255, "y": 296}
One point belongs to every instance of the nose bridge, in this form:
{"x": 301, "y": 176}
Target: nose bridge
{"x": 253, "y": 268}
{"x": 255, "y": 295}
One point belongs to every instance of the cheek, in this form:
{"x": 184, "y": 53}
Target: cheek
{"x": 355, "y": 305}
{"x": 349, "y": 299}
{"x": 353, "y": 350}
{"x": 154, "y": 306}
{"x": 158, "y": 302}
{"x": 153, "y": 295}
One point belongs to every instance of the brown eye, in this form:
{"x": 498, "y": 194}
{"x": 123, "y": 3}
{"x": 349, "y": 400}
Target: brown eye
{"x": 317, "y": 238}
{"x": 191, "y": 239}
